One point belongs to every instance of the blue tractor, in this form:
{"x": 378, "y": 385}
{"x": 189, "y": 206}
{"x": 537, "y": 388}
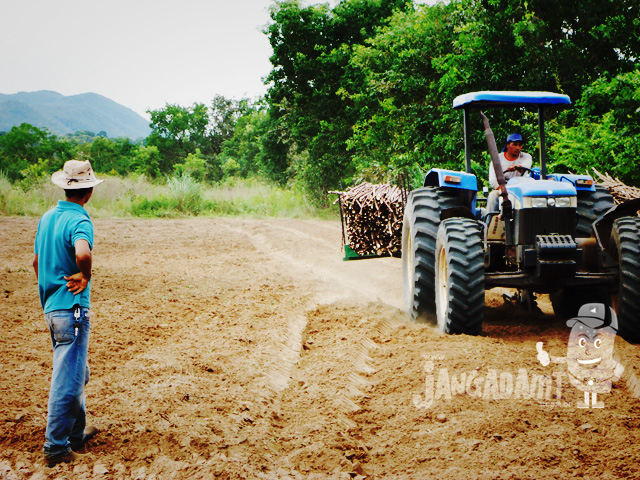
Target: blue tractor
{"x": 553, "y": 233}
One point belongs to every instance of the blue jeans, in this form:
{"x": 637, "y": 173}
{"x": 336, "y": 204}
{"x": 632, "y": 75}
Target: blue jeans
{"x": 66, "y": 417}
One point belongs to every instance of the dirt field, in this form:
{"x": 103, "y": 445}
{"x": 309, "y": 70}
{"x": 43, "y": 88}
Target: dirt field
{"x": 234, "y": 348}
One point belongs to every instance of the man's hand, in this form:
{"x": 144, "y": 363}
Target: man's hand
{"x": 77, "y": 283}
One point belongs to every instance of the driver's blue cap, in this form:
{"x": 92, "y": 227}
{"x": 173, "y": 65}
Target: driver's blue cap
{"x": 514, "y": 137}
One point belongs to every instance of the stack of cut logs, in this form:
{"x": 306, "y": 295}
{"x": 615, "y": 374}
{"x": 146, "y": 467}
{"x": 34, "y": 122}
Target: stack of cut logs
{"x": 372, "y": 218}
{"x": 619, "y": 191}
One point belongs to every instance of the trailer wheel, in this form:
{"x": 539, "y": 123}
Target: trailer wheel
{"x": 590, "y": 206}
{"x": 460, "y": 276}
{"x": 624, "y": 246}
{"x": 419, "y": 231}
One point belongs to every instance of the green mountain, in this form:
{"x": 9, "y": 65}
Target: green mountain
{"x": 62, "y": 115}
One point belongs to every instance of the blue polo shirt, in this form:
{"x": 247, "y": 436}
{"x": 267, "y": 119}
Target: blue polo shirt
{"x": 58, "y": 231}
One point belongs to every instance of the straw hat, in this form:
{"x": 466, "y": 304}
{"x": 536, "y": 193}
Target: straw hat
{"x": 76, "y": 174}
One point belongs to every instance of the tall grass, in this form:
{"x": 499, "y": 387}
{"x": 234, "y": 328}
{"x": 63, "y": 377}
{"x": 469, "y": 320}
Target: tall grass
{"x": 16, "y": 201}
{"x": 178, "y": 196}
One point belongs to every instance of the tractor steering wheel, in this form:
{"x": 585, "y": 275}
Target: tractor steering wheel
{"x": 520, "y": 168}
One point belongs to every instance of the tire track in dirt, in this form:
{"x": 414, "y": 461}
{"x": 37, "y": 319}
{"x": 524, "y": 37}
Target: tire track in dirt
{"x": 319, "y": 267}
{"x": 362, "y": 360}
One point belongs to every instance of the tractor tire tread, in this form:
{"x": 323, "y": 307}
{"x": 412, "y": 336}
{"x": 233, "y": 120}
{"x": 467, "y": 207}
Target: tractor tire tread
{"x": 590, "y": 206}
{"x": 461, "y": 240}
{"x": 421, "y": 221}
{"x": 625, "y": 238}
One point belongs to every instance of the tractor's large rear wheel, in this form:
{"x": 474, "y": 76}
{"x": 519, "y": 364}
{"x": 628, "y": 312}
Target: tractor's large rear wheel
{"x": 624, "y": 246}
{"x": 590, "y": 206}
{"x": 460, "y": 276}
{"x": 420, "y": 228}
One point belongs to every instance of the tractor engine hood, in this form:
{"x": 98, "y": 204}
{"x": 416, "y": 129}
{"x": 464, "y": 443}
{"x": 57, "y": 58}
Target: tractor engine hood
{"x": 526, "y": 187}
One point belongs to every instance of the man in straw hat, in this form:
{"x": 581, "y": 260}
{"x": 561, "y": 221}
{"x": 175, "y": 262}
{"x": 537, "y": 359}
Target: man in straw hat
{"x": 63, "y": 267}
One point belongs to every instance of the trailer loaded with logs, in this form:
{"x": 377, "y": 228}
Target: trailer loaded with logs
{"x": 554, "y": 233}
{"x": 372, "y": 216}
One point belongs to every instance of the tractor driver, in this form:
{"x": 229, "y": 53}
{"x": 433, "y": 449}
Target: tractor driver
{"x": 513, "y": 162}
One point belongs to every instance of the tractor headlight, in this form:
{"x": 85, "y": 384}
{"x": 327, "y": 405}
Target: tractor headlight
{"x": 538, "y": 202}
{"x": 544, "y": 202}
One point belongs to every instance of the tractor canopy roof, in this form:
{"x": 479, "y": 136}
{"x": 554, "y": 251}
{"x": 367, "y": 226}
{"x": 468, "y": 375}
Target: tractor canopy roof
{"x": 509, "y": 99}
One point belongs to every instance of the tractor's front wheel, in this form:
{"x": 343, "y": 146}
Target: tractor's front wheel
{"x": 624, "y": 246}
{"x": 460, "y": 276}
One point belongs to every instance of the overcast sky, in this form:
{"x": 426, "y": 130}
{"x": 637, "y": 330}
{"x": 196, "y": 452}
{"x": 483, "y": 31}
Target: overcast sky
{"x": 139, "y": 53}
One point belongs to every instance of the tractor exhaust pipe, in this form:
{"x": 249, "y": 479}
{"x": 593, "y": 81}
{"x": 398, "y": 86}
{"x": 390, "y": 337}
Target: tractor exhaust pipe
{"x": 497, "y": 167}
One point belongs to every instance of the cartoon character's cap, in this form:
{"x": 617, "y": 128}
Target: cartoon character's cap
{"x": 595, "y": 315}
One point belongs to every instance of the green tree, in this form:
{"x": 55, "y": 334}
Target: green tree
{"x": 605, "y": 134}
{"x": 34, "y": 174}
{"x": 312, "y": 47}
{"x": 177, "y": 131}
{"x": 405, "y": 116}
{"x": 245, "y": 144}
{"x": 274, "y": 148}
{"x": 223, "y": 117}
{"x": 416, "y": 66}
{"x": 110, "y": 155}
{"x": 26, "y": 145}
{"x": 583, "y": 41}
{"x": 146, "y": 161}
{"x": 79, "y": 137}
{"x": 194, "y": 166}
